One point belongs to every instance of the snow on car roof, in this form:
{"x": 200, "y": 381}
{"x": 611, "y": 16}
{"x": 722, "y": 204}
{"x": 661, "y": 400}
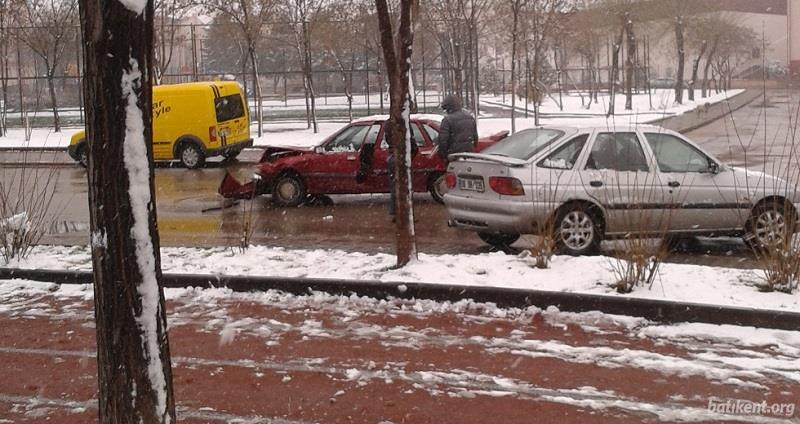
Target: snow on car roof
{"x": 419, "y": 116}
{"x": 615, "y": 128}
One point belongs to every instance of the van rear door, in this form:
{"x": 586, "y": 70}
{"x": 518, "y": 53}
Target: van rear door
{"x": 232, "y": 122}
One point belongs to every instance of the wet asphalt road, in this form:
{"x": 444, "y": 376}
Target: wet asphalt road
{"x": 191, "y": 213}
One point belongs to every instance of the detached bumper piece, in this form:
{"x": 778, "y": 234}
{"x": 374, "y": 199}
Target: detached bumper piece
{"x": 231, "y": 188}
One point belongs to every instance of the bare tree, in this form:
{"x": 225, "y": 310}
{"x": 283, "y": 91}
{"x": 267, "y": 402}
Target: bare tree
{"x": 251, "y": 17}
{"x": 684, "y": 16}
{"x": 4, "y": 56}
{"x": 542, "y": 25}
{"x": 585, "y": 39}
{"x": 45, "y": 27}
{"x": 701, "y": 36}
{"x": 301, "y": 17}
{"x": 132, "y": 342}
{"x": 345, "y": 48}
{"x": 456, "y": 25}
{"x": 735, "y": 43}
{"x": 167, "y": 12}
{"x": 397, "y": 54}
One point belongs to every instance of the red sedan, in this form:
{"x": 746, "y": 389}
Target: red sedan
{"x": 295, "y": 175}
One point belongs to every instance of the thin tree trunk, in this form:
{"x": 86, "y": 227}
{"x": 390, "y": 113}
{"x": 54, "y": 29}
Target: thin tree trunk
{"x": 709, "y": 58}
{"x": 695, "y": 68}
{"x": 681, "y": 59}
{"x": 133, "y": 358}
{"x": 514, "y": 37}
{"x": 630, "y": 55}
{"x": 397, "y": 55}
{"x": 256, "y": 89}
{"x": 53, "y": 102}
{"x": 614, "y": 70}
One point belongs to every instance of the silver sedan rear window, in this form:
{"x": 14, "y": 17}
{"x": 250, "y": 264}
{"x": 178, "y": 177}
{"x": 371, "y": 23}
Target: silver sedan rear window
{"x": 524, "y": 144}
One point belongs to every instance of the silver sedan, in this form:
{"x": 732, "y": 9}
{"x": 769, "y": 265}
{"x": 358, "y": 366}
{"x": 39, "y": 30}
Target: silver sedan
{"x": 582, "y": 185}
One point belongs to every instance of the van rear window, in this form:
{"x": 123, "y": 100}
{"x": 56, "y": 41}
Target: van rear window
{"x": 229, "y": 107}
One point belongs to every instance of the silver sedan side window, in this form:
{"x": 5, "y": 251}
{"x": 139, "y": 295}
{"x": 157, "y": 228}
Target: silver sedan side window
{"x": 565, "y": 156}
{"x": 619, "y": 151}
{"x": 675, "y": 155}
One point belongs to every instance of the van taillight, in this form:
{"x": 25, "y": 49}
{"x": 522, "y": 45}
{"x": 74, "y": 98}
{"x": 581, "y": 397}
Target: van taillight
{"x": 212, "y": 134}
{"x": 450, "y": 179}
{"x": 507, "y": 186}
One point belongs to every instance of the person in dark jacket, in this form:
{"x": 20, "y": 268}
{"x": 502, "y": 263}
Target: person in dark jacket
{"x": 458, "y": 131}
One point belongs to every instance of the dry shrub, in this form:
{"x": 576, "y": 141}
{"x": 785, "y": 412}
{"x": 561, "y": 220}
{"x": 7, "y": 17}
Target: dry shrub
{"x": 26, "y": 201}
{"x": 644, "y": 247}
{"x": 637, "y": 262}
{"x": 541, "y": 251}
{"x": 779, "y": 261}
{"x": 781, "y": 267}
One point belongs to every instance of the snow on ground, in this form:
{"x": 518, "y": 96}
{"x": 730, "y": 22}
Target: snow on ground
{"x": 723, "y": 354}
{"x": 659, "y": 104}
{"x": 295, "y": 133}
{"x": 594, "y": 275}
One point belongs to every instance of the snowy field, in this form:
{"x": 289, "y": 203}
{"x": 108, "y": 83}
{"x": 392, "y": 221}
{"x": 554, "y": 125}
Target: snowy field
{"x": 295, "y": 133}
{"x": 594, "y": 274}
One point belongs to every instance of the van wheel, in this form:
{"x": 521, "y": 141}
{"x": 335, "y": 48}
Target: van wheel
{"x": 83, "y": 156}
{"x": 191, "y": 156}
{"x": 437, "y": 187}
{"x": 288, "y": 191}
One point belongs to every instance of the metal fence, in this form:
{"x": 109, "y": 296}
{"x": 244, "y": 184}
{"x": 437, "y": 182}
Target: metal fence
{"x": 26, "y": 97}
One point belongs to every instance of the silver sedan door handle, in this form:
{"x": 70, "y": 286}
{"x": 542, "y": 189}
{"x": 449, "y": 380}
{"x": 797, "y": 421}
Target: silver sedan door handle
{"x": 596, "y": 183}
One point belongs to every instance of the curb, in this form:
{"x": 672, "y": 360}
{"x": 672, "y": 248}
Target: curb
{"x": 720, "y": 109}
{"x": 654, "y": 310}
{"x": 714, "y": 112}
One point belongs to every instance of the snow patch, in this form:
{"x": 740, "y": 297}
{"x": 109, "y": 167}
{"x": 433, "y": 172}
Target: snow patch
{"x": 137, "y": 165}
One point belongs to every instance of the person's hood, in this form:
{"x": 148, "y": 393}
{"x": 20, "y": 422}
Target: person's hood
{"x": 451, "y": 103}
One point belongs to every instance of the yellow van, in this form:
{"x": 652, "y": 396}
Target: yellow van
{"x": 191, "y": 122}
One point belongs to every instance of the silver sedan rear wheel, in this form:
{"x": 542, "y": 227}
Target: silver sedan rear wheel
{"x": 578, "y": 232}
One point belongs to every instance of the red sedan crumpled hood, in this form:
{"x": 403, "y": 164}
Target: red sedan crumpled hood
{"x": 273, "y": 153}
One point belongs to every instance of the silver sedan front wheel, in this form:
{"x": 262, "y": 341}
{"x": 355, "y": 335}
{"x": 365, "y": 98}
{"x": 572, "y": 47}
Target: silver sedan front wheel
{"x": 577, "y": 231}
{"x": 770, "y": 226}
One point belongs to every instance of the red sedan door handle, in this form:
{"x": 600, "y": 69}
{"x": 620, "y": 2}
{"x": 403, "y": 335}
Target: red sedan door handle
{"x": 351, "y": 158}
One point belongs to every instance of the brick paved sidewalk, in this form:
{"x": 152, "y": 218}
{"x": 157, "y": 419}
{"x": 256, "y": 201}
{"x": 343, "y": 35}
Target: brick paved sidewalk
{"x": 277, "y": 358}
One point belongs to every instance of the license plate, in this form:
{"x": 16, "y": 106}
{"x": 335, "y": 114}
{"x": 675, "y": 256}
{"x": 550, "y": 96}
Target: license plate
{"x": 470, "y": 184}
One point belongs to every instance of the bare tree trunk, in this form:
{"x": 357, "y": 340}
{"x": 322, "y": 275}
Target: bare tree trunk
{"x": 695, "y": 68}
{"x": 133, "y": 358}
{"x": 514, "y": 37}
{"x": 630, "y": 58}
{"x": 309, "y": 75}
{"x": 537, "y": 94}
{"x": 53, "y": 101}
{"x": 709, "y": 59}
{"x": 251, "y": 50}
{"x": 614, "y": 70}
{"x": 4, "y": 77}
{"x": 679, "y": 44}
{"x": 397, "y": 57}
